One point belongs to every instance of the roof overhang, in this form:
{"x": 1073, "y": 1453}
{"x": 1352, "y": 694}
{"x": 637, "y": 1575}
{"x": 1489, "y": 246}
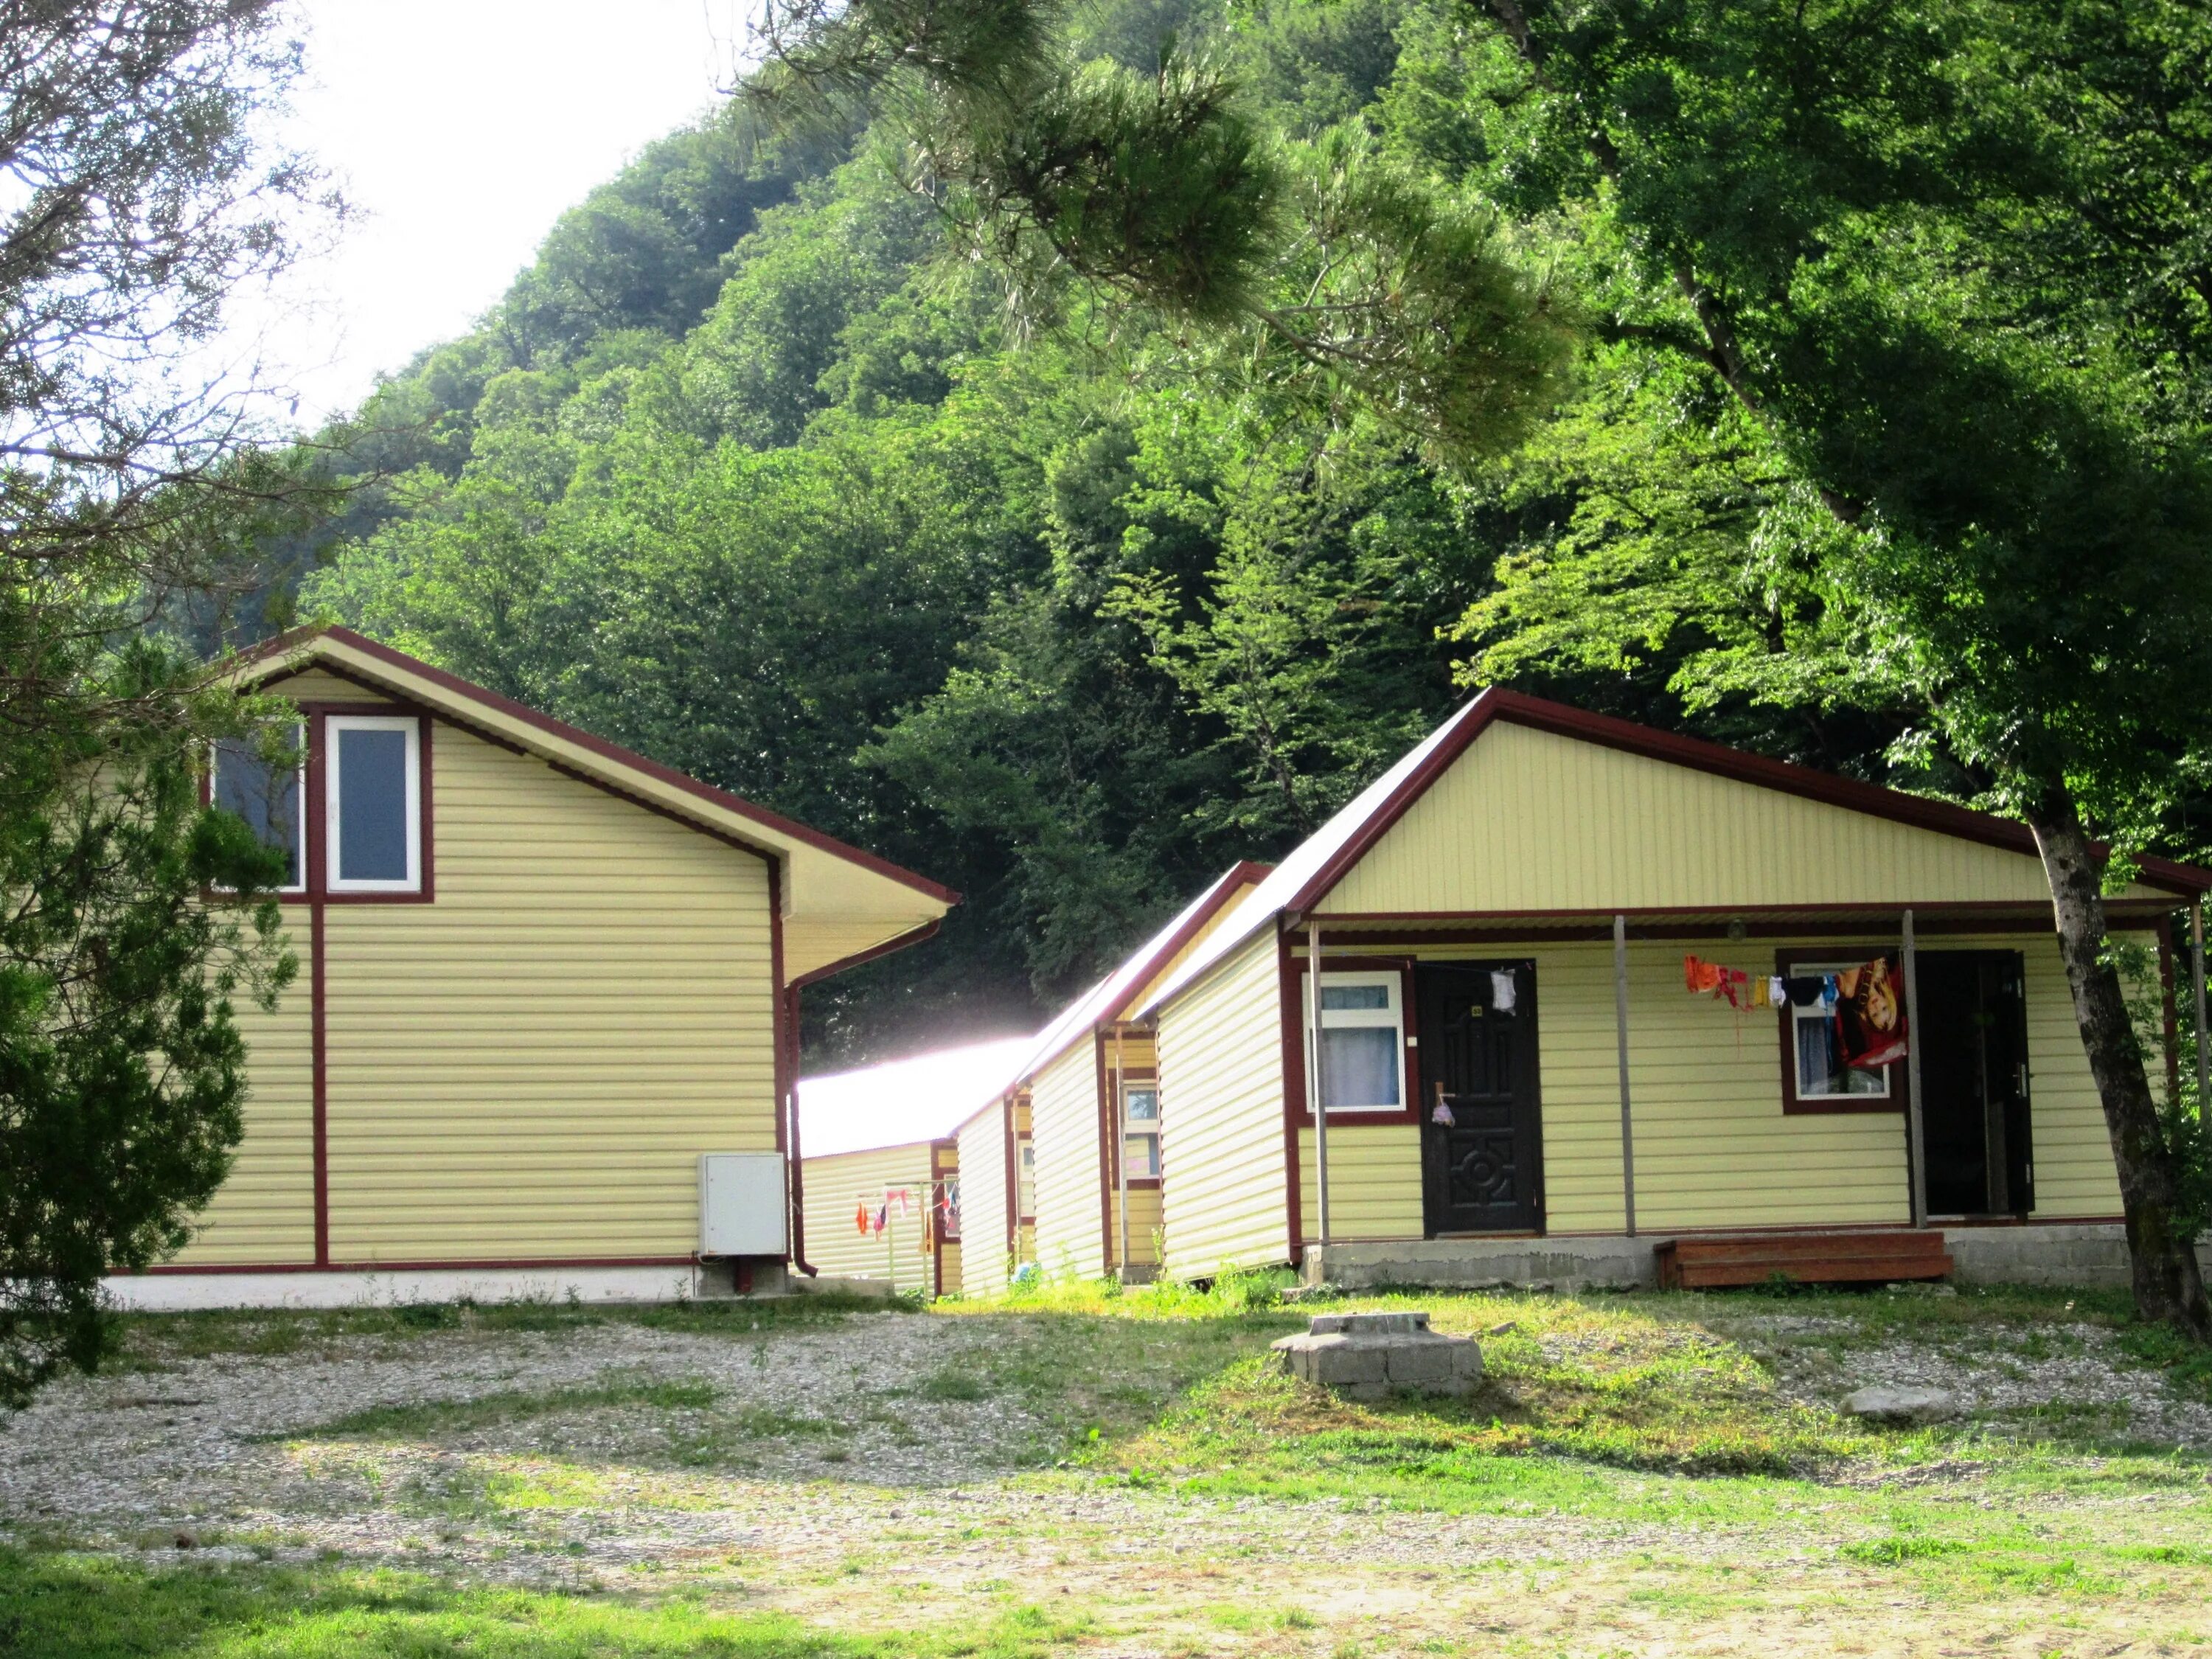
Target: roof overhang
{"x": 840, "y": 904}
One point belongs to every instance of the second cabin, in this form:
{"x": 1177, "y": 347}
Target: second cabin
{"x": 1548, "y": 946}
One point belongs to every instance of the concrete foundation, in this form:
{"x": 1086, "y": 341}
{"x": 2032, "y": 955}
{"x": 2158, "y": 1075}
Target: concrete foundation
{"x": 191, "y": 1291}
{"x": 2092, "y": 1254}
{"x": 1374, "y": 1356}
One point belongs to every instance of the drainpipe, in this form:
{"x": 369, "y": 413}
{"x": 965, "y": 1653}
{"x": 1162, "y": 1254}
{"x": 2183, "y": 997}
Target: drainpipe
{"x": 2197, "y": 988}
{"x": 1122, "y": 1147}
{"x": 1916, "y": 1146}
{"x": 797, "y": 1165}
{"x": 1314, "y": 1102}
{"x": 1620, "y": 1032}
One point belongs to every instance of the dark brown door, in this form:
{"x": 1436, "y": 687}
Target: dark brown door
{"x": 1481, "y": 1137}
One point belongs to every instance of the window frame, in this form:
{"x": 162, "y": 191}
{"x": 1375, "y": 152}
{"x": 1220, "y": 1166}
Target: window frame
{"x": 302, "y": 729}
{"x": 1394, "y": 1016}
{"x": 415, "y": 883}
{"x": 1791, "y": 963}
{"x": 1025, "y": 1176}
{"x": 1139, "y": 1082}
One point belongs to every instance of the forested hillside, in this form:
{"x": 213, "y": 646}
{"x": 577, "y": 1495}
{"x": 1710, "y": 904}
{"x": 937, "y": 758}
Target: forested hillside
{"x": 745, "y": 472}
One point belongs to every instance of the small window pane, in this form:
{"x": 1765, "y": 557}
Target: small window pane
{"x": 1142, "y": 1155}
{"x": 1822, "y": 1073}
{"x": 372, "y": 835}
{"x": 267, "y": 797}
{"x": 1359, "y": 1067}
{"x": 1336, "y": 997}
{"x": 1144, "y": 1106}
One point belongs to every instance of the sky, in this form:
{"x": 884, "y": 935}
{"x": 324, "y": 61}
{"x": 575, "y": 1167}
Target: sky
{"x": 460, "y": 130}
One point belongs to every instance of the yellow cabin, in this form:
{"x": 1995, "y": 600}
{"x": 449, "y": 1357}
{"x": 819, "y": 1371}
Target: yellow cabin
{"x": 1516, "y": 1080}
{"x": 998, "y": 1194}
{"x": 544, "y": 1032}
{"x": 881, "y": 1166}
{"x": 1094, "y": 1106}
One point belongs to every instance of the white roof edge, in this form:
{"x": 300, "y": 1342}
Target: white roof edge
{"x": 1063, "y": 1031}
{"x": 1272, "y": 896}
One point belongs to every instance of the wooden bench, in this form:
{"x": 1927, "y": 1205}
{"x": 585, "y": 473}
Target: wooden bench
{"x": 1802, "y": 1258}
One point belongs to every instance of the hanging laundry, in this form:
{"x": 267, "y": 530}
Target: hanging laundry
{"x": 860, "y": 1217}
{"x": 1870, "y": 1021}
{"x": 1829, "y": 991}
{"x": 1502, "y": 990}
{"x": 1759, "y": 996}
{"x": 901, "y": 1196}
{"x": 1442, "y": 1114}
{"x": 882, "y": 1216}
{"x": 1803, "y": 990}
{"x": 1777, "y": 992}
{"x": 1735, "y": 986}
{"x": 1701, "y": 975}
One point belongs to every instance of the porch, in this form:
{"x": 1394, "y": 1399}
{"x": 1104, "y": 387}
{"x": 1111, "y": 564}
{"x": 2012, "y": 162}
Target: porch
{"x": 2094, "y": 1254}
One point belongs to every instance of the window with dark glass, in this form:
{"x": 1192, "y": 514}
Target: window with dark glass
{"x": 265, "y": 791}
{"x": 374, "y": 765}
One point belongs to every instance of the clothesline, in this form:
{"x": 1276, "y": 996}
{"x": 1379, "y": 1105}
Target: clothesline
{"x": 940, "y": 1211}
{"x": 1865, "y": 1004}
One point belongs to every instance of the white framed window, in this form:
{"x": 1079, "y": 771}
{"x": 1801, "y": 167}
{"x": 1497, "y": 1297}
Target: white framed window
{"x": 1817, "y": 1053}
{"x": 1025, "y": 1179}
{"x": 270, "y": 795}
{"x": 373, "y": 803}
{"x": 1140, "y": 1130}
{"x": 1361, "y": 1042}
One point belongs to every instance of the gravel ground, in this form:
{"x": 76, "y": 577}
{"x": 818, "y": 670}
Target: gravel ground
{"x": 2072, "y": 1370}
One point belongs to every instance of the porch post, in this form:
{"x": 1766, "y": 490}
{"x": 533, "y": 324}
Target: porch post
{"x": 2197, "y": 988}
{"x": 1621, "y": 1030}
{"x": 1915, "y": 1143}
{"x": 1122, "y": 1147}
{"x": 1313, "y": 1079}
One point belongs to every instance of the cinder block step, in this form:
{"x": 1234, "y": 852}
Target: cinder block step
{"x": 1802, "y": 1258}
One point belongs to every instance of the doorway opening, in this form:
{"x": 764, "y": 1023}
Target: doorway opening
{"x": 1975, "y": 1123}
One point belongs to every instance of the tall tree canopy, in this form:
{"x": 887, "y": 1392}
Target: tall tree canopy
{"x": 1930, "y": 271}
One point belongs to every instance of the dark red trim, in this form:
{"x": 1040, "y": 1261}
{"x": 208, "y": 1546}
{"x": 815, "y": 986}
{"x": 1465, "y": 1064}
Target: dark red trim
{"x": 319, "y": 1064}
{"x": 1109, "y": 1164}
{"x": 1868, "y": 925}
{"x": 628, "y": 758}
{"x": 1290, "y": 1019}
{"x": 912, "y": 936}
{"x": 228, "y": 1269}
{"x": 2172, "y": 1018}
{"x": 318, "y": 1051}
{"x": 1900, "y": 1081}
{"x": 314, "y": 811}
{"x": 796, "y": 1161}
{"x": 1013, "y": 1176}
{"x": 1497, "y": 703}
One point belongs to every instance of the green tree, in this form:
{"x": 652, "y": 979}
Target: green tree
{"x": 138, "y": 199}
{"x": 1941, "y": 264}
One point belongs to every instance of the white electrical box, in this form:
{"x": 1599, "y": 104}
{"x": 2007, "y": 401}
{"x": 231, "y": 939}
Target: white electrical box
{"x": 742, "y": 1207}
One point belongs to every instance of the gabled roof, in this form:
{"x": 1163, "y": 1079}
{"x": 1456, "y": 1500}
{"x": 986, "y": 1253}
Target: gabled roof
{"x": 1110, "y": 998}
{"x": 1305, "y": 876}
{"x": 841, "y": 904}
{"x": 903, "y": 1102}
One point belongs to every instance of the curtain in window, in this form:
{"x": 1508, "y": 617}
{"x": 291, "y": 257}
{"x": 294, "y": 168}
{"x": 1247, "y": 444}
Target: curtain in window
{"x": 1359, "y": 1067}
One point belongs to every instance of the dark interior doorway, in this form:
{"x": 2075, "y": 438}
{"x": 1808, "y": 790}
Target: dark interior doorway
{"x": 1974, "y": 1082}
{"x": 1482, "y": 1134}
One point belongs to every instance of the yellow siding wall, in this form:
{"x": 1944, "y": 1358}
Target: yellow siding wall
{"x": 1713, "y": 1148}
{"x": 983, "y": 1246}
{"x": 2074, "y": 1176}
{"x": 1146, "y": 1225}
{"x": 1064, "y": 1126}
{"x": 1526, "y": 820}
{"x": 320, "y": 685}
{"x": 951, "y": 1283}
{"x": 532, "y": 1065}
{"x": 264, "y": 1211}
{"x": 838, "y": 1185}
{"x": 1221, "y": 1118}
{"x": 1373, "y": 1182}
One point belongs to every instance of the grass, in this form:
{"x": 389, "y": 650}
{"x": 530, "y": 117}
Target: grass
{"x": 1599, "y": 1414}
{"x": 59, "y": 1605}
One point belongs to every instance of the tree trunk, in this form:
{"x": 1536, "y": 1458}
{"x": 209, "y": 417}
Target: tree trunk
{"x": 2168, "y": 1283}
